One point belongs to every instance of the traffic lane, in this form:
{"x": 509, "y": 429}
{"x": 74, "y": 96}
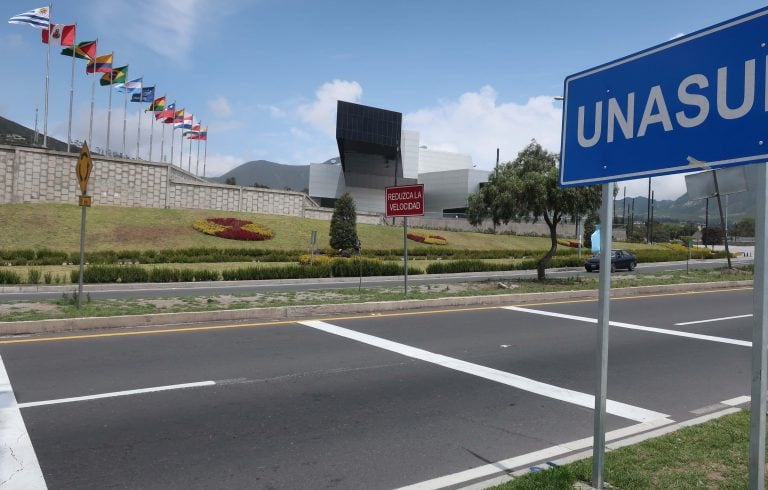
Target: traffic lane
{"x": 379, "y": 428}
{"x": 672, "y": 375}
{"x": 666, "y": 310}
{"x": 105, "y": 363}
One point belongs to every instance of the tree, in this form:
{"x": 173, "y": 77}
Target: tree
{"x": 231, "y": 181}
{"x": 745, "y": 227}
{"x": 344, "y": 223}
{"x": 712, "y": 235}
{"x": 526, "y": 189}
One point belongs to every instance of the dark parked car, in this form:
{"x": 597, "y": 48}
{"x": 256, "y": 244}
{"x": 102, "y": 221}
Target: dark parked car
{"x": 620, "y": 259}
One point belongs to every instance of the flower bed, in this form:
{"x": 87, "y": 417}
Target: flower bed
{"x": 427, "y": 238}
{"x": 233, "y": 229}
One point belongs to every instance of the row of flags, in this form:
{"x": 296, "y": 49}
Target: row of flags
{"x": 116, "y": 76}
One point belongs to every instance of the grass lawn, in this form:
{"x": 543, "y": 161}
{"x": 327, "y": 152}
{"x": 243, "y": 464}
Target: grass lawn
{"x": 57, "y": 226}
{"x": 707, "y": 456}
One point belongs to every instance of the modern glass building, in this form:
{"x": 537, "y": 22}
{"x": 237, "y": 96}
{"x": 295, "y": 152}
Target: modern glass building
{"x": 375, "y": 153}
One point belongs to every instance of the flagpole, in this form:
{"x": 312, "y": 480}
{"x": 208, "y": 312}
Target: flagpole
{"x": 173, "y": 128}
{"x": 125, "y": 115}
{"x": 93, "y": 97}
{"x": 181, "y": 147}
{"x": 152, "y": 130}
{"x": 47, "y": 72}
{"x": 205, "y": 153}
{"x": 109, "y": 110}
{"x": 71, "y": 90}
{"x": 162, "y": 144}
{"x": 138, "y": 136}
{"x": 197, "y": 162}
{"x": 190, "y": 151}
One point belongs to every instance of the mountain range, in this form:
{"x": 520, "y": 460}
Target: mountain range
{"x": 263, "y": 173}
{"x": 735, "y": 206}
{"x": 13, "y": 133}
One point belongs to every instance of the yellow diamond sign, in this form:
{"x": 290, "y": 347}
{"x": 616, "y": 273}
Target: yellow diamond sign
{"x": 84, "y": 167}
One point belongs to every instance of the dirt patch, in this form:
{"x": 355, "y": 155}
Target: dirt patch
{"x": 6, "y": 309}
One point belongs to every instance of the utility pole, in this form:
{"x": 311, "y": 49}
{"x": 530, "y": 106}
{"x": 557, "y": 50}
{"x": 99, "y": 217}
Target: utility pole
{"x": 652, "y": 210}
{"x": 648, "y": 215}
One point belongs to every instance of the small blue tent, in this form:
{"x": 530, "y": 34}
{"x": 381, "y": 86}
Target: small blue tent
{"x": 595, "y": 237}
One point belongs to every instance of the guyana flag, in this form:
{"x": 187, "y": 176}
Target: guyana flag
{"x": 117, "y": 75}
{"x": 85, "y": 50}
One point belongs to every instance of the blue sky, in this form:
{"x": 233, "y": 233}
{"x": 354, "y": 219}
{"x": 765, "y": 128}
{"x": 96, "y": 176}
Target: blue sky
{"x": 264, "y": 75}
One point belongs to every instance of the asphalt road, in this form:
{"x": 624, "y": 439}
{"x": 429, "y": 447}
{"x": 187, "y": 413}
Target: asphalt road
{"x": 380, "y": 401}
{"x": 110, "y": 291}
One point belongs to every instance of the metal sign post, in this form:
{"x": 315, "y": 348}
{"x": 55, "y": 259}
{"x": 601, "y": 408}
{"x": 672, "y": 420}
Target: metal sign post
{"x": 312, "y": 242}
{"x": 759, "y": 337}
{"x": 405, "y": 255}
{"x": 83, "y": 171}
{"x": 603, "y": 318}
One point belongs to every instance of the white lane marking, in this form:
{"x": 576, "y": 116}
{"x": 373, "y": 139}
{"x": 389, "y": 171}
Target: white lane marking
{"x": 677, "y": 333}
{"x": 563, "y": 394}
{"x": 709, "y": 320}
{"x": 735, "y": 402}
{"x": 533, "y": 457}
{"x": 19, "y": 467}
{"x": 117, "y": 393}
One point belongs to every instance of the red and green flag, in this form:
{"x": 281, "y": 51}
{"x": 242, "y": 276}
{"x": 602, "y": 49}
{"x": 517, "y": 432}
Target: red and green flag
{"x": 85, "y": 50}
{"x": 157, "y": 105}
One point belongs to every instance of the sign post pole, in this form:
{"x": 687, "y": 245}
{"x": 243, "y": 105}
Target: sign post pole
{"x": 759, "y": 338}
{"x": 603, "y": 317}
{"x": 83, "y": 170}
{"x": 405, "y": 254}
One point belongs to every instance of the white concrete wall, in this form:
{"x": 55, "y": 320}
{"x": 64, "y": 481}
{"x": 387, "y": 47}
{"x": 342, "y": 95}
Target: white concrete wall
{"x": 30, "y": 175}
{"x": 367, "y": 199}
{"x": 409, "y": 151}
{"x": 450, "y": 189}
{"x": 326, "y": 180}
{"x": 438, "y": 161}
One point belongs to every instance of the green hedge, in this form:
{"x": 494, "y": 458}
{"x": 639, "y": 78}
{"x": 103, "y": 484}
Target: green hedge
{"x": 110, "y": 274}
{"x": 9, "y": 277}
{"x": 218, "y": 255}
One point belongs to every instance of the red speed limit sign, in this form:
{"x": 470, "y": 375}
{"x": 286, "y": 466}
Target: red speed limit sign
{"x": 405, "y": 200}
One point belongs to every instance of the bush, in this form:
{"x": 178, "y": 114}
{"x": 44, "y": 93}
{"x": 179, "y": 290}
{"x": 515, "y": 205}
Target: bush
{"x": 111, "y": 273}
{"x": 33, "y": 276}
{"x": 368, "y": 267}
{"x": 284, "y": 272}
{"x": 306, "y": 259}
{"x": 9, "y": 277}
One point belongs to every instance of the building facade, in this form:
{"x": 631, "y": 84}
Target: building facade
{"x": 376, "y": 153}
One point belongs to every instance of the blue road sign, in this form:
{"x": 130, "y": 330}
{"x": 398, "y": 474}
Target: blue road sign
{"x": 694, "y": 102}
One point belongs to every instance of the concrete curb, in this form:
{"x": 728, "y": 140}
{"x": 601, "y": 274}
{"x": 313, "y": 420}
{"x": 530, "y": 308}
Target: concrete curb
{"x": 314, "y": 311}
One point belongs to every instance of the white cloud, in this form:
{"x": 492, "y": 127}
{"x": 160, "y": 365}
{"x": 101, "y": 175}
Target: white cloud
{"x": 216, "y": 164}
{"x": 274, "y": 111}
{"x": 172, "y": 38}
{"x": 321, "y": 113}
{"x": 679, "y": 34}
{"x": 220, "y": 106}
{"x": 476, "y": 124}
{"x": 666, "y": 187}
